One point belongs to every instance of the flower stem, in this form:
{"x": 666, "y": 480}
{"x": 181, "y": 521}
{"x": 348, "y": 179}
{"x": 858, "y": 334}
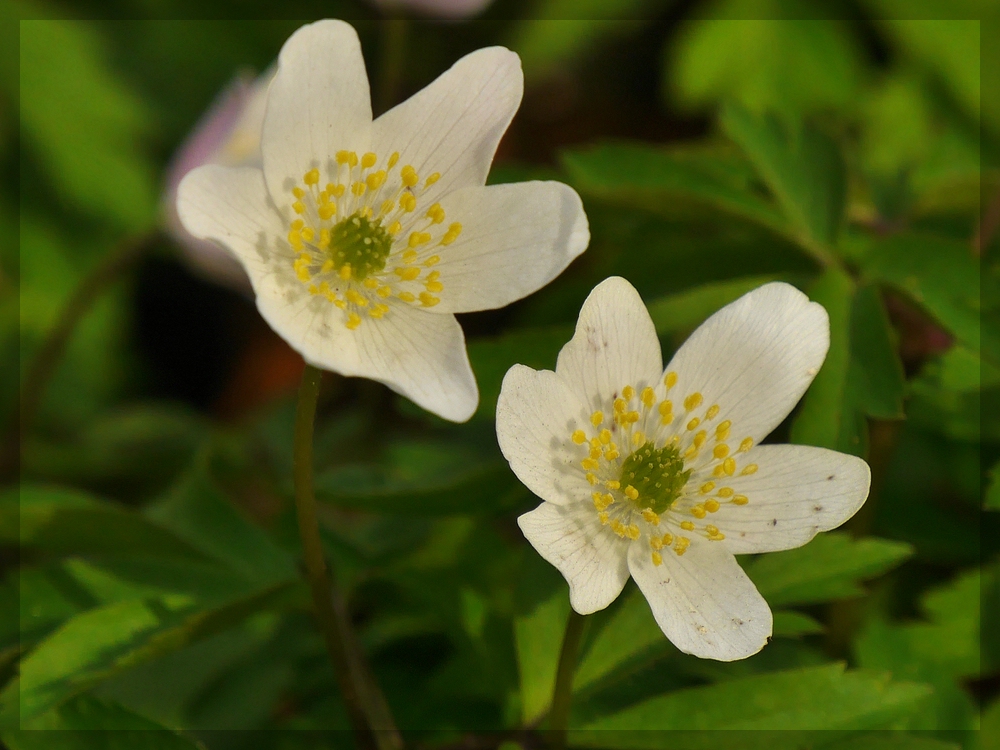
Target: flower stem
{"x": 108, "y": 270}
{"x": 324, "y": 595}
{"x": 562, "y": 695}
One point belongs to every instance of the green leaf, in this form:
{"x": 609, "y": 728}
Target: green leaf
{"x": 992, "y": 501}
{"x": 538, "y": 636}
{"x": 687, "y": 310}
{"x": 794, "y": 624}
{"x": 101, "y": 642}
{"x": 827, "y": 568}
{"x": 491, "y": 358}
{"x": 68, "y": 522}
{"x": 673, "y": 182}
{"x": 816, "y": 698}
{"x": 83, "y": 124}
{"x": 89, "y": 723}
{"x": 891, "y": 740}
{"x": 799, "y": 63}
{"x": 802, "y": 167}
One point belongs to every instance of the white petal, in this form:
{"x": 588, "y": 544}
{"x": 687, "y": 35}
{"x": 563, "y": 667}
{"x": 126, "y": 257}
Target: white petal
{"x": 797, "y": 491}
{"x": 754, "y": 358}
{"x": 614, "y": 345}
{"x": 453, "y": 126}
{"x": 318, "y": 104}
{"x": 703, "y": 601}
{"x": 590, "y": 557}
{"x": 515, "y": 239}
{"x": 230, "y": 205}
{"x": 536, "y": 415}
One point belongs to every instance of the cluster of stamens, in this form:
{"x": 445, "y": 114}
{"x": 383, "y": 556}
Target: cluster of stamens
{"x": 654, "y": 467}
{"x": 349, "y": 240}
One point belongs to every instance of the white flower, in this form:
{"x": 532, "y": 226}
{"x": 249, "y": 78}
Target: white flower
{"x": 362, "y": 238}
{"x": 659, "y": 474}
{"x": 228, "y": 134}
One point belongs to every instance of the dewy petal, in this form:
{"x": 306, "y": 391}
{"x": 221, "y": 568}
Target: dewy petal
{"x": 453, "y": 126}
{"x": 797, "y": 491}
{"x": 614, "y": 345}
{"x": 703, "y": 601}
{"x": 592, "y": 560}
{"x": 536, "y": 414}
{"x": 417, "y": 354}
{"x": 755, "y": 357}
{"x": 318, "y": 104}
{"x": 230, "y": 205}
{"x": 515, "y": 239}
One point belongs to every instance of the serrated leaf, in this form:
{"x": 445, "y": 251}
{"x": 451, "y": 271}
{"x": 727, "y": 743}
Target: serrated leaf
{"x": 801, "y": 166}
{"x": 812, "y": 699}
{"x": 827, "y": 568}
{"x": 538, "y": 636}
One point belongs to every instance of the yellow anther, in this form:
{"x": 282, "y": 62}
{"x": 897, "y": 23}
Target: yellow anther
{"x": 324, "y": 238}
{"x": 311, "y": 177}
{"x": 693, "y": 401}
{"x": 699, "y": 439}
{"x": 356, "y": 299}
{"x": 725, "y": 492}
{"x": 721, "y": 450}
{"x": 655, "y": 542}
{"x": 649, "y": 516}
{"x": 452, "y": 234}
{"x": 631, "y": 493}
{"x": 609, "y": 499}
{"x": 740, "y": 500}
{"x": 435, "y": 213}
{"x": 722, "y": 431}
{"x": 344, "y": 157}
{"x": 406, "y": 297}
{"x": 408, "y": 273}
{"x": 353, "y": 321}
{"x": 706, "y": 488}
{"x": 604, "y": 436}
{"x": 409, "y": 176}
{"x": 618, "y": 527}
{"x": 698, "y": 511}
{"x": 712, "y": 530}
{"x": 667, "y": 539}
{"x": 409, "y": 256}
{"x": 611, "y": 453}
{"x": 327, "y": 210}
{"x": 693, "y": 424}
{"x": 598, "y": 500}
{"x": 407, "y": 202}
{"x": 345, "y": 272}
{"x": 619, "y": 405}
{"x": 432, "y": 179}
{"x": 666, "y": 408}
{"x": 591, "y": 478}
{"x": 711, "y": 505}
{"x": 434, "y": 276}
{"x": 745, "y": 445}
{"x": 418, "y": 238}
{"x": 387, "y": 207}
{"x": 302, "y": 273}
{"x": 595, "y": 443}
{"x": 691, "y": 452}
{"x": 298, "y": 224}
{"x": 394, "y": 228}
{"x": 749, "y": 469}
{"x": 632, "y": 532}
{"x": 579, "y": 437}
{"x": 326, "y": 267}
{"x": 603, "y": 517}
{"x": 595, "y": 451}
{"x": 368, "y": 160}
{"x": 687, "y": 525}
{"x": 670, "y": 379}
{"x": 628, "y": 393}
{"x": 428, "y": 300}
{"x": 729, "y": 466}
{"x": 648, "y": 397}
{"x": 384, "y": 291}
{"x": 713, "y": 412}
{"x": 719, "y": 471}
{"x": 375, "y": 180}
{"x": 298, "y": 192}
{"x": 393, "y": 159}
{"x": 379, "y": 310}
{"x": 657, "y": 558}
{"x": 359, "y": 188}
{"x": 590, "y": 464}
{"x": 681, "y": 546}
{"x": 295, "y": 239}
{"x": 597, "y": 418}
{"x": 613, "y": 484}
{"x": 432, "y": 261}
{"x": 631, "y": 418}
{"x": 337, "y": 301}
{"x": 298, "y": 207}
{"x": 638, "y": 438}
{"x": 313, "y": 289}
{"x": 308, "y": 234}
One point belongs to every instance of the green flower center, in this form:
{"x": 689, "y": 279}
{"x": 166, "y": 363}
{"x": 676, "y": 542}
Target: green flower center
{"x": 658, "y": 475}
{"x": 361, "y": 243}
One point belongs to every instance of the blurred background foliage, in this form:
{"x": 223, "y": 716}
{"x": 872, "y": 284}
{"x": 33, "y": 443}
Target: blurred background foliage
{"x": 149, "y": 552}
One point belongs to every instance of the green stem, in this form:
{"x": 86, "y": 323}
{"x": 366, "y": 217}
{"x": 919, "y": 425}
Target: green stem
{"x": 312, "y": 550}
{"x": 562, "y": 695}
{"x": 46, "y": 359}
{"x": 394, "y": 33}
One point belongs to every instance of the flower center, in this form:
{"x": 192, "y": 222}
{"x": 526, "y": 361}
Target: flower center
{"x": 360, "y": 243}
{"x": 658, "y": 476}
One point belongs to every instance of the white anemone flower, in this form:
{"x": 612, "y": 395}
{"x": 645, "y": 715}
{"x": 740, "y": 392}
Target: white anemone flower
{"x": 659, "y": 474}
{"x": 361, "y": 238}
